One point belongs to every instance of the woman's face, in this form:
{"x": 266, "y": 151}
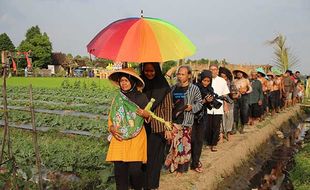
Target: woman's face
{"x": 239, "y": 75}
{"x": 149, "y": 71}
{"x": 205, "y": 82}
{"x": 224, "y": 76}
{"x": 124, "y": 84}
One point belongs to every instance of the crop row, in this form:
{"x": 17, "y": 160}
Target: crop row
{"x": 100, "y": 94}
{"x": 59, "y": 122}
{"x": 93, "y": 109}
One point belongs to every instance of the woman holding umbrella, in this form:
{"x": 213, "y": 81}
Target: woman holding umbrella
{"x": 157, "y": 87}
{"x": 128, "y": 146}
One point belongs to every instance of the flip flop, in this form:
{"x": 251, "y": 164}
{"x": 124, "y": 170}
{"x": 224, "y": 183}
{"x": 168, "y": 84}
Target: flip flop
{"x": 198, "y": 170}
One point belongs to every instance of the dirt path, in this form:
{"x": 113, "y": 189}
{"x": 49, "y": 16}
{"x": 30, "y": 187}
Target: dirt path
{"x": 230, "y": 155}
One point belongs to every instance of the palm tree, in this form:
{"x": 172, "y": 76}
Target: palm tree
{"x": 284, "y": 59}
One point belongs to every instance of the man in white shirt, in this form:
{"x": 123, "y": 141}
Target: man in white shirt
{"x": 215, "y": 116}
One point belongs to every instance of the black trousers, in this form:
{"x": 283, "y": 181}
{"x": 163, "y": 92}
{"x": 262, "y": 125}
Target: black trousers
{"x": 272, "y": 100}
{"x": 198, "y": 132}
{"x": 156, "y": 144}
{"x": 241, "y": 110}
{"x": 277, "y": 99}
{"x": 128, "y": 174}
{"x": 213, "y": 128}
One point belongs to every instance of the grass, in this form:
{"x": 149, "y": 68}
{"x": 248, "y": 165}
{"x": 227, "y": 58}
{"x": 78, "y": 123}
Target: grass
{"x": 300, "y": 175}
{"x": 53, "y": 82}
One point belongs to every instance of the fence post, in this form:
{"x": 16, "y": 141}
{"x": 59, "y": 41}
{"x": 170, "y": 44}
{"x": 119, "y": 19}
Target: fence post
{"x": 35, "y": 139}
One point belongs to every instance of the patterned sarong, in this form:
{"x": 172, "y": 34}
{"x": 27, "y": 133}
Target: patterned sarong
{"x": 180, "y": 150}
{"x": 124, "y": 117}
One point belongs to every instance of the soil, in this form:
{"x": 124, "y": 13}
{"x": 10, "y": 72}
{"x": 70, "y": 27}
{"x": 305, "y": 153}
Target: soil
{"x": 231, "y": 154}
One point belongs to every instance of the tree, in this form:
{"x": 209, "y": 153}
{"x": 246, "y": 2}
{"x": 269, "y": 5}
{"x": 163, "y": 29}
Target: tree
{"x": 284, "y": 59}
{"x": 40, "y": 46}
{"x": 168, "y": 65}
{"x": 58, "y": 58}
{"x": 6, "y": 43}
{"x": 69, "y": 64}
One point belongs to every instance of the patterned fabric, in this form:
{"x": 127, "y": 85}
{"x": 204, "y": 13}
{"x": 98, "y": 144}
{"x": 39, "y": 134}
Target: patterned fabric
{"x": 124, "y": 117}
{"x": 163, "y": 110}
{"x": 180, "y": 150}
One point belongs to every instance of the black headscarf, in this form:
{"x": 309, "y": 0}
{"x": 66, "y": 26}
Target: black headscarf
{"x": 227, "y": 72}
{"x": 205, "y": 90}
{"x": 133, "y": 94}
{"x": 156, "y": 88}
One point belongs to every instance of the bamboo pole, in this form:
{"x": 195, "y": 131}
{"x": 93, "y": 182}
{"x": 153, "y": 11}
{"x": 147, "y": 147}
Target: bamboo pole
{"x": 6, "y": 132}
{"x": 35, "y": 139}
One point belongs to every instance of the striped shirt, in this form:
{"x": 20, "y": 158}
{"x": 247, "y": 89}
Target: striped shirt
{"x": 163, "y": 110}
{"x": 193, "y": 98}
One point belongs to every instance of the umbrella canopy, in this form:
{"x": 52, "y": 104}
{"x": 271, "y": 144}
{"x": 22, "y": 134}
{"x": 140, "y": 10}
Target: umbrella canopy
{"x": 141, "y": 40}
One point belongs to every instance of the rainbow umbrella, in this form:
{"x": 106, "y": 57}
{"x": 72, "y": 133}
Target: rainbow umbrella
{"x": 141, "y": 39}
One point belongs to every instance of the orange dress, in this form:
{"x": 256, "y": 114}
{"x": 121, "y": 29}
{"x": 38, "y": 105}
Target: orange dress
{"x": 132, "y": 150}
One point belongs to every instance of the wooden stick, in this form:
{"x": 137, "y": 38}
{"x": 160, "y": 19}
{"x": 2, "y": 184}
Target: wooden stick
{"x": 6, "y": 133}
{"x": 35, "y": 139}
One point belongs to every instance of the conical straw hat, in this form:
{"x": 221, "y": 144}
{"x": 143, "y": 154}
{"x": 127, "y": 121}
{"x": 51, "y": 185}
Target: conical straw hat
{"x": 115, "y": 76}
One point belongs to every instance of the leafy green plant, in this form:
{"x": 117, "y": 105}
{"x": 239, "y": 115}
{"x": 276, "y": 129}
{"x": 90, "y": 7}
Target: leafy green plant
{"x": 283, "y": 57}
{"x": 81, "y": 156}
{"x": 300, "y": 175}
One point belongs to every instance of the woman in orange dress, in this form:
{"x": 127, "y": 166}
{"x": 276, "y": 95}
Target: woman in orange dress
{"x": 128, "y": 146}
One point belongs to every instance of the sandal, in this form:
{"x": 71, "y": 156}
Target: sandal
{"x": 198, "y": 170}
{"x": 213, "y": 149}
{"x": 199, "y": 165}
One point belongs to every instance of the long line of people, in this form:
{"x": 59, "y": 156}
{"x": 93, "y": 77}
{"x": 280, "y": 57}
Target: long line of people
{"x": 207, "y": 110}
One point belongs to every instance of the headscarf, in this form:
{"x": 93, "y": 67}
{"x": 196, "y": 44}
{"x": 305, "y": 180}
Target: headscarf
{"x": 157, "y": 87}
{"x": 227, "y": 72}
{"x": 133, "y": 94}
{"x": 205, "y": 90}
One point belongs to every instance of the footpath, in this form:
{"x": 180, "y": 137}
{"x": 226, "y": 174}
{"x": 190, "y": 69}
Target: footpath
{"x": 230, "y": 155}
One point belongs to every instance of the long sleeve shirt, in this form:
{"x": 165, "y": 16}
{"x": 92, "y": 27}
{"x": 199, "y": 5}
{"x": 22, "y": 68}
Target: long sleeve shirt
{"x": 193, "y": 98}
{"x": 257, "y": 92}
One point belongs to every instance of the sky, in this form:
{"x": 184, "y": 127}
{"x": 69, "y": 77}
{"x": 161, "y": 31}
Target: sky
{"x": 236, "y": 30}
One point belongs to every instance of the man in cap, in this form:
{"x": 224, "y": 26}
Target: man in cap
{"x": 288, "y": 87}
{"x": 271, "y": 93}
{"x": 261, "y": 77}
{"x": 241, "y": 106}
{"x": 256, "y": 98}
{"x": 277, "y": 86}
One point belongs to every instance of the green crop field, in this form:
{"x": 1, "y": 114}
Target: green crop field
{"x": 54, "y": 82}
{"x": 71, "y": 117}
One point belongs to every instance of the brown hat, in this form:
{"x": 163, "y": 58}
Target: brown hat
{"x": 115, "y": 76}
{"x": 270, "y": 73}
{"x": 245, "y": 75}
